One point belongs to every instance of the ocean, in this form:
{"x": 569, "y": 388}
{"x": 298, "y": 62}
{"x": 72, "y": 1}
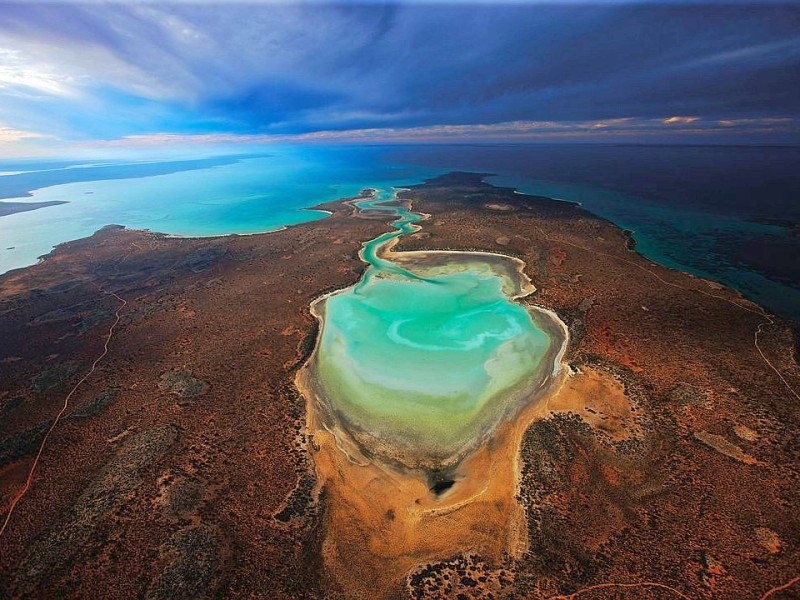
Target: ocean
{"x": 727, "y": 213}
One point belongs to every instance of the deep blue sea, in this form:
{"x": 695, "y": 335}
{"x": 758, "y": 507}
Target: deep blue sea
{"x": 731, "y": 214}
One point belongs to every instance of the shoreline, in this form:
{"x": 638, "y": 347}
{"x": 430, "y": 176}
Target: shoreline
{"x": 176, "y": 236}
{"x": 484, "y": 470}
{"x": 633, "y": 244}
{"x": 664, "y": 395}
{"x": 548, "y": 320}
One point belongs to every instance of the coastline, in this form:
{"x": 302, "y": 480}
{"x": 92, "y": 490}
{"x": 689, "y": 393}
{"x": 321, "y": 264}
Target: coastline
{"x": 11, "y": 208}
{"x": 634, "y": 245}
{"x": 523, "y": 287}
{"x": 663, "y": 382}
{"x": 343, "y": 460}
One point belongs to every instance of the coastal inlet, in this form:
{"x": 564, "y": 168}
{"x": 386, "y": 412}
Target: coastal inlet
{"x": 418, "y": 362}
{"x": 423, "y": 380}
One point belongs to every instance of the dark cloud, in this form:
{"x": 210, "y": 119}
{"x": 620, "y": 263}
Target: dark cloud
{"x": 287, "y": 68}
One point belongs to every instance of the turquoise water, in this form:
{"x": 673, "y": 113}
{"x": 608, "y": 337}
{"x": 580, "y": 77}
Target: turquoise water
{"x": 725, "y": 213}
{"x": 684, "y": 238}
{"x": 249, "y": 195}
{"x": 426, "y": 356}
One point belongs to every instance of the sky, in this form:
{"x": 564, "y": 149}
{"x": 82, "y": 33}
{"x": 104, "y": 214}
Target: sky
{"x": 133, "y": 76}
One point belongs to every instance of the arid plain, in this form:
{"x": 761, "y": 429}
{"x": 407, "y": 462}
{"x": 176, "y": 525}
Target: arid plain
{"x": 662, "y": 464}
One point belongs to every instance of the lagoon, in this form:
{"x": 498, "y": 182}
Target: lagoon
{"x": 423, "y": 357}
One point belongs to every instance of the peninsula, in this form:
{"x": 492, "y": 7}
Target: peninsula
{"x": 630, "y": 426}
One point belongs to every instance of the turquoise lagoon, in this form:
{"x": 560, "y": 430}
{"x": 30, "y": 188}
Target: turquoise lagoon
{"x": 199, "y": 197}
{"x": 724, "y": 213}
{"x": 429, "y": 351}
{"x": 428, "y": 348}
{"x": 425, "y": 353}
